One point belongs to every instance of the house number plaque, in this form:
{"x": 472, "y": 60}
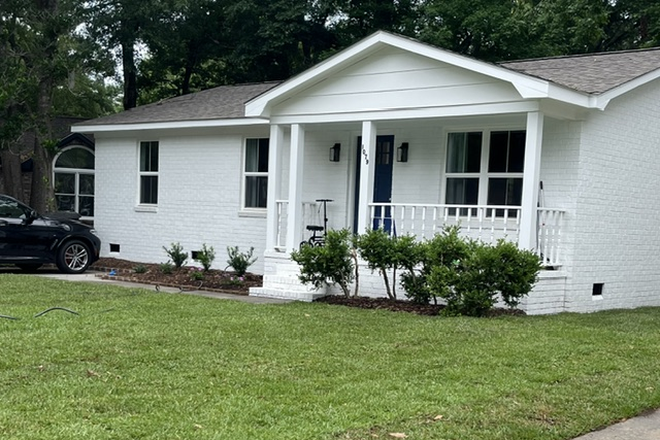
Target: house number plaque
{"x": 366, "y": 156}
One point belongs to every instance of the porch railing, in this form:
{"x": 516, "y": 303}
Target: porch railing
{"x": 487, "y": 223}
{"x": 549, "y": 234}
{"x": 310, "y": 214}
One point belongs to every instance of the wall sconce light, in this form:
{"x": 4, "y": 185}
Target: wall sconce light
{"x": 334, "y": 152}
{"x": 402, "y": 153}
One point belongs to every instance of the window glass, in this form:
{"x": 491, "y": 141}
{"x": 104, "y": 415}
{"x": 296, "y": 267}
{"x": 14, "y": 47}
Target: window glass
{"x": 65, "y": 183}
{"x": 149, "y": 156}
{"x": 464, "y": 152}
{"x": 10, "y": 209}
{"x": 507, "y": 152}
{"x": 149, "y": 189}
{"x": 462, "y": 191}
{"x": 80, "y": 158}
{"x": 87, "y": 184}
{"x": 256, "y": 188}
{"x": 256, "y": 173}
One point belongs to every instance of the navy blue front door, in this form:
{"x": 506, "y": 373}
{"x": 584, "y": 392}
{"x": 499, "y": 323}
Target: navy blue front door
{"x": 382, "y": 182}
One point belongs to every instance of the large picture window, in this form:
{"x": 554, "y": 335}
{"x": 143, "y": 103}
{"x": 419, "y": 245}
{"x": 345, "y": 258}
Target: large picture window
{"x": 485, "y": 168}
{"x": 149, "y": 173}
{"x": 255, "y": 175}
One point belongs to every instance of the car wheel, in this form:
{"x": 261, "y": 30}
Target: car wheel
{"x": 29, "y": 267}
{"x": 73, "y": 257}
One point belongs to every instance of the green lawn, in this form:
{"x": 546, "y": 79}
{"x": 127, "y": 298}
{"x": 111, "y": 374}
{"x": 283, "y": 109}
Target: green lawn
{"x": 142, "y": 365}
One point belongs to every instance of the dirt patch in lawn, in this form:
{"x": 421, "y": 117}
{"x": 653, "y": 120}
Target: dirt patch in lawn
{"x": 185, "y": 278}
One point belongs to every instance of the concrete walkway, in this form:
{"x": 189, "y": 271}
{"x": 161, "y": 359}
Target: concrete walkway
{"x": 643, "y": 427}
{"x": 91, "y": 277}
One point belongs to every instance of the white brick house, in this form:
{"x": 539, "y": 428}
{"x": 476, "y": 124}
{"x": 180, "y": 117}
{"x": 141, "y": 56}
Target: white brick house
{"x": 243, "y": 165}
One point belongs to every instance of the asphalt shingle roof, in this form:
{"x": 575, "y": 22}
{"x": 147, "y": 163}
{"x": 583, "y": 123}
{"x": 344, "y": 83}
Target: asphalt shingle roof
{"x": 591, "y": 73}
{"x": 224, "y": 102}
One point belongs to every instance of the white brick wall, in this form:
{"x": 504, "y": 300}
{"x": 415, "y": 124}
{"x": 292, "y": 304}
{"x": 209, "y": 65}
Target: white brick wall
{"x": 198, "y": 202}
{"x": 618, "y": 193}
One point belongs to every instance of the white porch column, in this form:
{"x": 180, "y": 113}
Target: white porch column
{"x": 367, "y": 167}
{"x": 274, "y": 185}
{"x": 296, "y": 166}
{"x": 531, "y": 179}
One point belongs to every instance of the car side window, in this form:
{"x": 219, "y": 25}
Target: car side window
{"x": 11, "y": 209}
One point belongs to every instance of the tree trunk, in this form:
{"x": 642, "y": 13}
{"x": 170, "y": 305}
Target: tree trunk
{"x": 42, "y": 196}
{"x": 130, "y": 75}
{"x": 11, "y": 177}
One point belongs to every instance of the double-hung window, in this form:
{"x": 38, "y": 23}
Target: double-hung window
{"x": 255, "y": 174}
{"x": 149, "y": 173}
{"x": 485, "y": 168}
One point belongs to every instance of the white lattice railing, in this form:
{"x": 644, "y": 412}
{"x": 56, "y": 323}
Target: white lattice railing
{"x": 548, "y": 237}
{"x": 310, "y": 213}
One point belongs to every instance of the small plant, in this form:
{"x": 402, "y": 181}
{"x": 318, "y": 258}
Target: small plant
{"x": 206, "y": 256}
{"x": 140, "y": 268}
{"x": 236, "y": 280}
{"x": 197, "y": 274}
{"x": 166, "y": 268}
{"x": 176, "y": 254}
{"x": 331, "y": 263}
{"x": 240, "y": 261}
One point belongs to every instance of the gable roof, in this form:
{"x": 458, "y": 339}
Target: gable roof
{"x": 594, "y": 73}
{"x": 224, "y": 102}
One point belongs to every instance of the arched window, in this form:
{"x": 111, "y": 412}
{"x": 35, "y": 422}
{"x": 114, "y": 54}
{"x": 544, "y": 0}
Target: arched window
{"x": 74, "y": 180}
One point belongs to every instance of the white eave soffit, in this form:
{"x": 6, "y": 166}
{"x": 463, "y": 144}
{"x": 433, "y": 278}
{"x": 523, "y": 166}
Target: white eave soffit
{"x": 529, "y": 87}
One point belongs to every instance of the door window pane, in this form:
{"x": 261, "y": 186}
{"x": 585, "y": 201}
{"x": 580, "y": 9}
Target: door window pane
{"x": 65, "y": 203}
{"x": 80, "y": 158}
{"x": 86, "y": 206}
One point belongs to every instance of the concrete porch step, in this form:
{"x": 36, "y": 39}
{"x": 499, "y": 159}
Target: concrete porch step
{"x": 267, "y": 292}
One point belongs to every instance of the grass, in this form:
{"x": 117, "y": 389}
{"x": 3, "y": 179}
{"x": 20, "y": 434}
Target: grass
{"x": 138, "y": 364}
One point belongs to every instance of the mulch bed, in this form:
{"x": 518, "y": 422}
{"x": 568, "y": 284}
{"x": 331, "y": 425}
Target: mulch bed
{"x": 227, "y": 282}
{"x": 147, "y": 273}
{"x": 404, "y": 306}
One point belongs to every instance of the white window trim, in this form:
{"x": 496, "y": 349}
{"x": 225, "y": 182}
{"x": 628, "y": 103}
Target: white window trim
{"x": 246, "y": 211}
{"x": 139, "y": 206}
{"x": 76, "y": 172}
{"x": 483, "y": 175}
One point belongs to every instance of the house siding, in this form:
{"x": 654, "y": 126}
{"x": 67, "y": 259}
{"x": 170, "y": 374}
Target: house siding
{"x": 617, "y": 238}
{"x": 394, "y": 79}
{"x": 198, "y": 198}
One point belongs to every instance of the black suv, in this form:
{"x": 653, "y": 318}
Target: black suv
{"x": 29, "y": 240}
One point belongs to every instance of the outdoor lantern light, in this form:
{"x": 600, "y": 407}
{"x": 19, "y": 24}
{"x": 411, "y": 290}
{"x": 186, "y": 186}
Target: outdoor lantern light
{"x": 334, "y": 152}
{"x": 402, "y": 153}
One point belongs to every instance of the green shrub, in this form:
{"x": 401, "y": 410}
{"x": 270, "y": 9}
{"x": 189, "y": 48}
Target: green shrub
{"x": 196, "y": 274}
{"x": 140, "y": 268}
{"x": 331, "y": 263}
{"x": 379, "y": 251}
{"x": 206, "y": 256}
{"x": 166, "y": 268}
{"x": 472, "y": 285}
{"x": 240, "y": 261}
{"x": 176, "y": 254}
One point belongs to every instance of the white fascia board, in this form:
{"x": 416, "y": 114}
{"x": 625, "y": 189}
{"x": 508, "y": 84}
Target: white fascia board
{"x": 169, "y": 125}
{"x": 601, "y": 101}
{"x": 417, "y": 113}
{"x": 529, "y": 87}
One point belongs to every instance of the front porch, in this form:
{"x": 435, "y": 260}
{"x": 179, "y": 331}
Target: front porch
{"x": 424, "y": 194}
